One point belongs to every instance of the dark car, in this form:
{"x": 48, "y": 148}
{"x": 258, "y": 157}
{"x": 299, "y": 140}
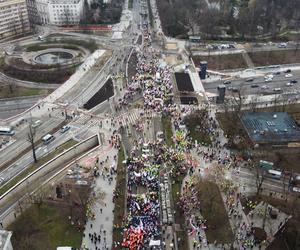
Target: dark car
{"x": 226, "y": 82}
{"x": 254, "y": 85}
{"x": 234, "y": 89}
{"x": 288, "y": 71}
{"x": 293, "y": 81}
{"x": 250, "y": 80}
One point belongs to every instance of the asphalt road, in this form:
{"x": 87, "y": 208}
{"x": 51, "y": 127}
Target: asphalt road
{"x": 21, "y": 143}
{"x": 41, "y": 150}
{"x": 279, "y": 81}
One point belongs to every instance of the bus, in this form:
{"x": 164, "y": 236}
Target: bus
{"x": 266, "y": 165}
{"x": 275, "y": 174}
{"x": 6, "y": 131}
{"x": 48, "y": 138}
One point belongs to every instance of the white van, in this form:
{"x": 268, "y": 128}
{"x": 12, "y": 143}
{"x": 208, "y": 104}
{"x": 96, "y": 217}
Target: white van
{"x": 48, "y": 138}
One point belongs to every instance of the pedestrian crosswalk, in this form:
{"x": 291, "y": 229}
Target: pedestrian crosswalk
{"x": 130, "y": 117}
{"x": 134, "y": 116}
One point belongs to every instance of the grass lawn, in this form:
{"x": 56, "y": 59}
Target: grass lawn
{"x": 213, "y": 210}
{"x": 222, "y": 62}
{"x": 119, "y": 210}
{"x": 34, "y": 166}
{"x": 44, "y": 227}
{"x": 275, "y": 57}
{"x": 167, "y": 129}
{"x": 195, "y": 134}
{"x": 179, "y": 219}
{"x": 16, "y": 91}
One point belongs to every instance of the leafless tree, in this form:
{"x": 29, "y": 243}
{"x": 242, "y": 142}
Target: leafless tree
{"x": 30, "y": 138}
{"x": 260, "y": 177}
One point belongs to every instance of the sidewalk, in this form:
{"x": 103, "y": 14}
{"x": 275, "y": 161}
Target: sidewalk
{"x": 102, "y": 224}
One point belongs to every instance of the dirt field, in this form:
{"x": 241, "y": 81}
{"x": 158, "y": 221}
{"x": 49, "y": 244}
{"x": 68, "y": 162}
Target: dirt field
{"x": 222, "y": 62}
{"x": 275, "y": 57}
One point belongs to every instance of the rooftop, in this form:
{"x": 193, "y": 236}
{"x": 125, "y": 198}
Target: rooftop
{"x": 271, "y": 127}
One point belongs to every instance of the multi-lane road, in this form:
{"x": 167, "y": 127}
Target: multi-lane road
{"x": 258, "y": 85}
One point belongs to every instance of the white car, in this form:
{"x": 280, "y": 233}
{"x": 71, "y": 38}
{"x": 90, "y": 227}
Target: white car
{"x": 288, "y": 75}
{"x": 36, "y": 123}
{"x": 269, "y": 76}
{"x": 268, "y": 79}
{"x": 265, "y": 87}
{"x": 289, "y": 84}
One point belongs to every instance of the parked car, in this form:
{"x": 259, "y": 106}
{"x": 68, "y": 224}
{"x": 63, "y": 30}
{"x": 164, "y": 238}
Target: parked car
{"x": 250, "y": 80}
{"x": 254, "y": 85}
{"x": 288, "y": 71}
{"x": 289, "y": 84}
{"x": 227, "y": 82}
{"x": 277, "y": 89}
{"x": 234, "y": 89}
{"x": 265, "y": 87}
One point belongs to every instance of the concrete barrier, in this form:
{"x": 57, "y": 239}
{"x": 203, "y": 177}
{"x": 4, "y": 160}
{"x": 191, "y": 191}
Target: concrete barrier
{"x": 37, "y": 177}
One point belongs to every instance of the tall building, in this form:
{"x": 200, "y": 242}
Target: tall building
{"x": 13, "y": 18}
{"x": 55, "y": 12}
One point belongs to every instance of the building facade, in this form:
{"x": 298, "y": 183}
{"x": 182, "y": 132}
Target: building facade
{"x": 13, "y": 18}
{"x": 55, "y": 12}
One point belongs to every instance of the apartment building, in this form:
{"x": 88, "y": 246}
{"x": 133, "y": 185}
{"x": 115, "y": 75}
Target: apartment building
{"x": 55, "y": 12}
{"x": 13, "y": 18}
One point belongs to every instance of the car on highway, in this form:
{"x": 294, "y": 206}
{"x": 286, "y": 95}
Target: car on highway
{"x": 265, "y": 87}
{"x": 47, "y": 139}
{"x": 227, "y": 82}
{"x": 64, "y": 129}
{"x": 268, "y": 79}
{"x": 254, "y": 85}
{"x": 282, "y": 45}
{"x": 293, "y": 81}
{"x": 36, "y": 123}
{"x": 288, "y": 75}
{"x": 288, "y": 71}
{"x": 250, "y": 80}
{"x": 277, "y": 89}
{"x": 289, "y": 84}
{"x": 269, "y": 76}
